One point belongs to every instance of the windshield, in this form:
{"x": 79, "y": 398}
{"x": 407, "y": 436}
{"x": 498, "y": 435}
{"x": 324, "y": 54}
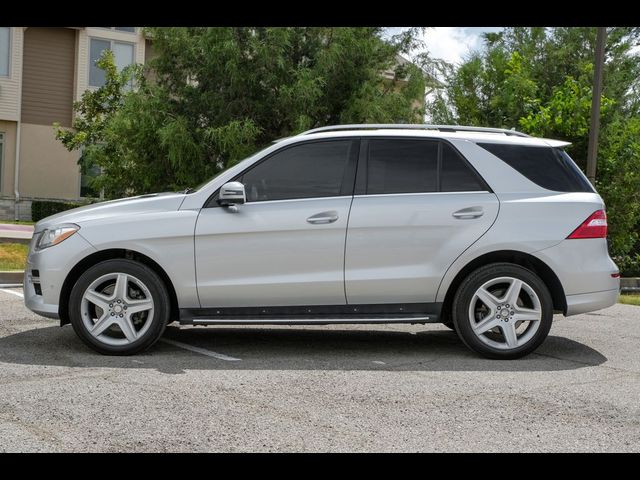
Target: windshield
{"x": 198, "y": 187}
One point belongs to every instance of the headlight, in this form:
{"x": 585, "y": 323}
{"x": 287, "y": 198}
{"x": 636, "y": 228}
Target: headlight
{"x": 54, "y": 236}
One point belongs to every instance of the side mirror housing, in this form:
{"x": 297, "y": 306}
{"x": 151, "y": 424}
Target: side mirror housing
{"x": 231, "y": 193}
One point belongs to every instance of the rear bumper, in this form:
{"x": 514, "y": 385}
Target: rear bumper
{"x": 588, "y": 302}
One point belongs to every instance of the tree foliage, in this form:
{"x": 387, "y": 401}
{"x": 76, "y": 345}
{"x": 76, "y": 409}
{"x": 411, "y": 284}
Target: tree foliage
{"x": 219, "y": 94}
{"x": 539, "y": 80}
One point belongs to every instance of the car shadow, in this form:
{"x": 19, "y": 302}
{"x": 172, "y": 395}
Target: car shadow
{"x": 293, "y": 348}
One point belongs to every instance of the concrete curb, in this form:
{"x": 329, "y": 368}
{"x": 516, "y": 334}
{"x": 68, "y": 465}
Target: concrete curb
{"x": 11, "y": 277}
{"x": 630, "y": 284}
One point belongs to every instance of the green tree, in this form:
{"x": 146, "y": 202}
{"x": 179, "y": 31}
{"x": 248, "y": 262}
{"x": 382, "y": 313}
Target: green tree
{"x": 539, "y": 80}
{"x": 220, "y": 94}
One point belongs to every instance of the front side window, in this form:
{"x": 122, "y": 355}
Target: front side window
{"x": 402, "y": 166}
{"x": 122, "y": 53}
{"x": 5, "y": 51}
{"x": 310, "y": 170}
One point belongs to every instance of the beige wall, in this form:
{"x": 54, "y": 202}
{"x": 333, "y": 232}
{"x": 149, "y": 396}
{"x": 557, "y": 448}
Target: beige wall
{"x": 9, "y": 86}
{"x": 9, "y": 157}
{"x": 47, "y": 169}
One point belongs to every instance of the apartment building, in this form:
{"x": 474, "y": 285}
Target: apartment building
{"x": 43, "y": 70}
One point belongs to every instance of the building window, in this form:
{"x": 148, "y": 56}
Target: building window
{"x": 5, "y": 50}
{"x": 121, "y": 29}
{"x": 86, "y": 178}
{"x": 122, "y": 53}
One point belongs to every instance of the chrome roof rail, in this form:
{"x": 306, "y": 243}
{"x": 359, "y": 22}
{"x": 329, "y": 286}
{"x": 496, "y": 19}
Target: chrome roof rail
{"x": 408, "y": 126}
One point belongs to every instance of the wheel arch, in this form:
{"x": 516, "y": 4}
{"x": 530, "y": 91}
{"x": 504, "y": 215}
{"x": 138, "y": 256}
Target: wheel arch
{"x": 111, "y": 254}
{"x": 526, "y": 260}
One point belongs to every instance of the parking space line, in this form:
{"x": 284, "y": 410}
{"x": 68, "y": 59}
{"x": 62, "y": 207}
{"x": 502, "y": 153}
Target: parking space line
{"x": 202, "y": 351}
{"x": 17, "y": 294}
{"x": 185, "y": 346}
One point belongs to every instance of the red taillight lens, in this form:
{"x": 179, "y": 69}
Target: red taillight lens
{"x": 593, "y": 227}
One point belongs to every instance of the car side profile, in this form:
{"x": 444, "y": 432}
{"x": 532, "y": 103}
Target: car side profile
{"x": 488, "y": 231}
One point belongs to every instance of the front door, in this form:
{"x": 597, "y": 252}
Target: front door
{"x": 285, "y": 246}
{"x": 420, "y": 205}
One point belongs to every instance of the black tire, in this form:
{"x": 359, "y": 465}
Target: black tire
{"x": 155, "y": 285}
{"x": 473, "y": 282}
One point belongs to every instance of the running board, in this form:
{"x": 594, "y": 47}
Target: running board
{"x": 313, "y": 315}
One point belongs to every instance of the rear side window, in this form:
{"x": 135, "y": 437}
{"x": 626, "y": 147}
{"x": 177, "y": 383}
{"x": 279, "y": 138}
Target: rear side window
{"x": 402, "y": 166}
{"x": 418, "y": 166}
{"x": 547, "y": 167}
{"x": 456, "y": 175}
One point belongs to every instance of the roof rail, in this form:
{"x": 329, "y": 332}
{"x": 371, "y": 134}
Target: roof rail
{"x": 408, "y": 126}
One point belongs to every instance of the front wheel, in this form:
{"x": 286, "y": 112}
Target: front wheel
{"x": 503, "y": 311}
{"x": 119, "y": 307}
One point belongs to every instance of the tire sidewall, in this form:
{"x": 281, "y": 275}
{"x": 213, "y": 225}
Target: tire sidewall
{"x": 147, "y": 276}
{"x": 465, "y": 294}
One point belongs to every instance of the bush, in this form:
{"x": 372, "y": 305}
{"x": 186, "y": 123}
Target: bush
{"x": 629, "y": 265}
{"x": 41, "y": 209}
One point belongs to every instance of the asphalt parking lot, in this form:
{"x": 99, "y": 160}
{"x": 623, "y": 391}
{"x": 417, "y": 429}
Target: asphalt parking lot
{"x": 332, "y": 388}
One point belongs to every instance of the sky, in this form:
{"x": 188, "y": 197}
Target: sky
{"x": 452, "y": 43}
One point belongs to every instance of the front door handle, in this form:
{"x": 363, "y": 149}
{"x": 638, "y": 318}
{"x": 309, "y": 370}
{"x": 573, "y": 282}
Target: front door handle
{"x": 468, "y": 213}
{"x": 323, "y": 217}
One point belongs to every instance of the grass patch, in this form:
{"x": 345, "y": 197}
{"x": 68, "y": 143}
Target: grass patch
{"x": 13, "y": 256}
{"x": 630, "y": 299}
{"x": 17, "y": 222}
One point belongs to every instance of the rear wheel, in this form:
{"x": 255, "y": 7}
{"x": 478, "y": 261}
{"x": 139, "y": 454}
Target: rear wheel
{"x": 119, "y": 307}
{"x": 503, "y": 311}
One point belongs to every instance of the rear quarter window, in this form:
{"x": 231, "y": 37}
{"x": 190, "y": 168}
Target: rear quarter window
{"x": 547, "y": 167}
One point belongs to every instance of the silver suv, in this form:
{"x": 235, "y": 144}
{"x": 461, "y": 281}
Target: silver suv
{"x": 488, "y": 231}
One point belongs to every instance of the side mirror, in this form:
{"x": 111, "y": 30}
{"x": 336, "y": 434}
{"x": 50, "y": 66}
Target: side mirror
{"x": 232, "y": 193}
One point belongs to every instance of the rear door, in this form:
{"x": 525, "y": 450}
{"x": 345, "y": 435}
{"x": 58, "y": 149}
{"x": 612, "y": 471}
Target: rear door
{"x": 418, "y": 206}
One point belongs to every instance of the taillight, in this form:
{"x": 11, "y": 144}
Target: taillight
{"x": 593, "y": 227}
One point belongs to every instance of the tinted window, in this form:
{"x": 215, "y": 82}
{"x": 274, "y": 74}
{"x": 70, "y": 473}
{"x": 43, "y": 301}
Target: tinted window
{"x": 548, "y": 167}
{"x": 302, "y": 171}
{"x": 456, "y": 175}
{"x": 402, "y": 166}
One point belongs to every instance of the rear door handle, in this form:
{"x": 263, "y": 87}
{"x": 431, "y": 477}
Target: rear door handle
{"x": 323, "y": 217}
{"x": 468, "y": 213}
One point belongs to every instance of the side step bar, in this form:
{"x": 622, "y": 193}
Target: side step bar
{"x": 313, "y": 315}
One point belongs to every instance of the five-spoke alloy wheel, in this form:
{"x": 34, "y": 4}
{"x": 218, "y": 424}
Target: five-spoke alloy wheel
{"x": 119, "y": 307}
{"x": 503, "y": 310}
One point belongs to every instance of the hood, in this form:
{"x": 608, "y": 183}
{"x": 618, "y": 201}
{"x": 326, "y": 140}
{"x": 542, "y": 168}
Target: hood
{"x": 153, "y": 202}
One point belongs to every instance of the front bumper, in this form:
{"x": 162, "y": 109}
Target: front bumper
{"x": 46, "y": 271}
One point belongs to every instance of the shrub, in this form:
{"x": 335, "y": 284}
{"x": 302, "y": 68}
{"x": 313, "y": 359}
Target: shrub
{"x": 41, "y": 209}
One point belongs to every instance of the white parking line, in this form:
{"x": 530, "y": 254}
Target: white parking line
{"x": 202, "y": 351}
{"x": 199, "y": 350}
{"x": 12, "y": 292}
